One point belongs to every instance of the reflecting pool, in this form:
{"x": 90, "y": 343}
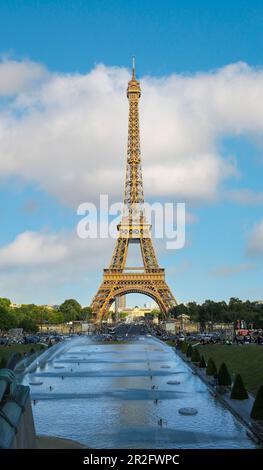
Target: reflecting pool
{"x": 114, "y": 396}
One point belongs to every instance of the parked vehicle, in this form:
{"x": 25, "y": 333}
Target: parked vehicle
{"x": 3, "y": 341}
{"x": 31, "y": 339}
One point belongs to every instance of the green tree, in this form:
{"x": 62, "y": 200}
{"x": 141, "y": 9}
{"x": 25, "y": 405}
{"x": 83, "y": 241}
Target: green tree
{"x": 28, "y": 325}
{"x": 123, "y": 314}
{"x": 224, "y": 377}
{"x": 193, "y": 311}
{"x": 3, "y": 363}
{"x": 235, "y": 305}
{"x": 238, "y": 391}
{"x": 211, "y": 368}
{"x": 236, "y": 308}
{"x": 155, "y": 312}
{"x": 181, "y": 309}
{"x": 172, "y": 312}
{"x": 26, "y": 312}
{"x": 71, "y": 309}
{"x": 7, "y": 318}
{"x": 184, "y": 347}
{"x": 41, "y": 314}
{"x": 5, "y": 302}
{"x": 211, "y": 312}
{"x": 223, "y": 314}
{"x": 202, "y": 317}
{"x": 55, "y": 317}
{"x": 257, "y": 409}
{"x": 189, "y": 351}
{"x": 202, "y": 363}
{"x": 86, "y": 313}
{"x": 195, "y": 356}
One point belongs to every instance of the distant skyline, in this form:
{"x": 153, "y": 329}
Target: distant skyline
{"x": 63, "y": 133}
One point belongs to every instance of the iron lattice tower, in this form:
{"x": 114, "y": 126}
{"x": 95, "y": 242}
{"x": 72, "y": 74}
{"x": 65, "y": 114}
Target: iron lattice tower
{"x": 118, "y": 279}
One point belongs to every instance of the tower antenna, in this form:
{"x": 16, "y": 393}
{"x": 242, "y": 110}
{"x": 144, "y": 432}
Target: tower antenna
{"x": 133, "y": 67}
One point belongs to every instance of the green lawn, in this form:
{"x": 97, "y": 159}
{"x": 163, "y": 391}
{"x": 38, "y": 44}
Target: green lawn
{"x": 246, "y": 360}
{"x": 6, "y": 351}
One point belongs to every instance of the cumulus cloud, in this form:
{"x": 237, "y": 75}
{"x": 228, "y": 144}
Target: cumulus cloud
{"x": 40, "y": 266}
{"x": 32, "y": 249}
{"x": 67, "y": 133}
{"x": 16, "y": 77}
{"x": 255, "y": 241}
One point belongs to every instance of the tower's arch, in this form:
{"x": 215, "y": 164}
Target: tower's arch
{"x": 125, "y": 291}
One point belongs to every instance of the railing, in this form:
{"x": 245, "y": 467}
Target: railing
{"x": 142, "y": 270}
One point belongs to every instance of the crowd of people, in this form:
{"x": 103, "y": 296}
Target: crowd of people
{"x": 249, "y": 338}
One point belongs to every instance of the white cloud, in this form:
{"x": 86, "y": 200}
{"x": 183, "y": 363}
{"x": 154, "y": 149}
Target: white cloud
{"x": 43, "y": 267}
{"x": 255, "y": 242}
{"x": 230, "y": 270}
{"x": 32, "y": 249}
{"x": 68, "y": 133}
{"x": 16, "y": 77}
{"x": 245, "y": 196}
{"x": 40, "y": 266}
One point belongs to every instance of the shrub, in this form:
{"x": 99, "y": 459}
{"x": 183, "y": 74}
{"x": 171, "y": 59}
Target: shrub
{"x": 238, "y": 391}
{"x": 179, "y": 345}
{"x": 184, "y": 347}
{"x": 3, "y": 363}
{"x": 32, "y": 351}
{"x": 224, "y": 377}
{"x": 189, "y": 351}
{"x": 195, "y": 355}
{"x": 257, "y": 409}
{"x": 202, "y": 363}
{"x": 211, "y": 368}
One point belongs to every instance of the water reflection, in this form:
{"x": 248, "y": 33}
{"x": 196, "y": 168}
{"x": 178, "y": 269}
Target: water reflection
{"x": 113, "y": 396}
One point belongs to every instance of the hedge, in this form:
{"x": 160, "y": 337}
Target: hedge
{"x": 195, "y": 355}
{"x": 3, "y": 363}
{"x": 224, "y": 377}
{"x": 238, "y": 391}
{"x": 257, "y": 409}
{"x": 211, "y": 368}
{"x": 189, "y": 351}
{"x": 202, "y": 364}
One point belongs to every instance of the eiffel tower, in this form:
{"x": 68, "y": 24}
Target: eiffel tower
{"x": 118, "y": 279}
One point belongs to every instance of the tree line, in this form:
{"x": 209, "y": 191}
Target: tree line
{"x": 30, "y": 316}
{"x": 246, "y": 313}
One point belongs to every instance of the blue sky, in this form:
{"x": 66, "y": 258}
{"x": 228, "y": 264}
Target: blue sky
{"x": 63, "y": 119}
{"x": 167, "y": 36}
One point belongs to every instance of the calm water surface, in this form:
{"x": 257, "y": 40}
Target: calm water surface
{"x": 102, "y": 396}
